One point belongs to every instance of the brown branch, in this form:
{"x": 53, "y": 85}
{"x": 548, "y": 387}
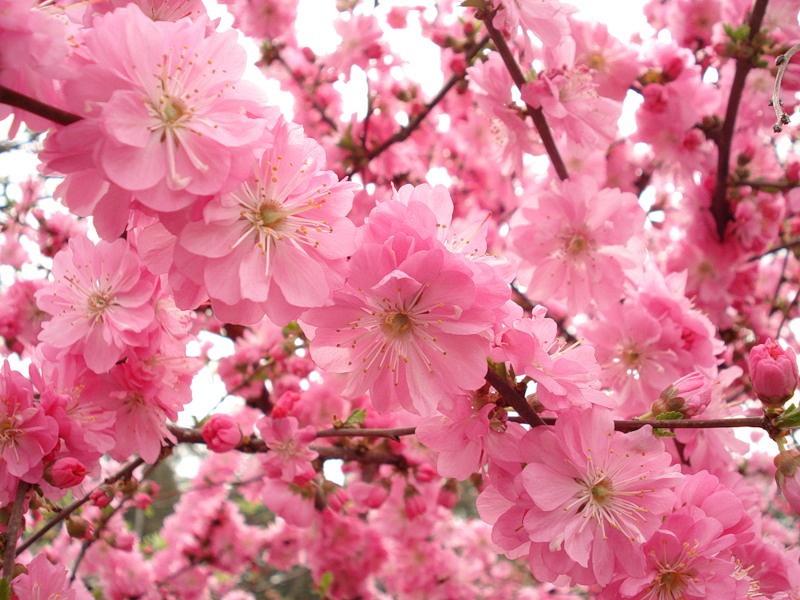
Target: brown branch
{"x": 317, "y": 106}
{"x": 56, "y": 115}
{"x": 65, "y": 512}
{"x": 786, "y": 246}
{"x": 720, "y": 207}
{"x": 516, "y": 400}
{"x": 403, "y": 134}
{"x": 251, "y": 445}
{"x": 14, "y": 529}
{"x": 536, "y": 114}
{"x": 368, "y": 433}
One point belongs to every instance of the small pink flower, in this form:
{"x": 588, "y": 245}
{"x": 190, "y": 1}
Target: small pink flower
{"x": 773, "y": 372}
{"x": 289, "y": 456}
{"x": 788, "y": 477}
{"x": 689, "y": 395}
{"x": 42, "y": 579}
{"x": 101, "y": 302}
{"x": 221, "y": 433}
{"x": 66, "y": 472}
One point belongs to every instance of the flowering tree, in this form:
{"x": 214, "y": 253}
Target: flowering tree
{"x": 535, "y": 378}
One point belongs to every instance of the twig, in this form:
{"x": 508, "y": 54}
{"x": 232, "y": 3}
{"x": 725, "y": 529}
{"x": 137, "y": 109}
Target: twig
{"x": 539, "y": 120}
{"x": 720, "y": 207}
{"x": 775, "y": 102}
{"x": 71, "y": 508}
{"x": 56, "y": 115}
{"x": 516, "y": 400}
{"x": 14, "y": 529}
{"x": 317, "y": 106}
{"x": 786, "y": 246}
{"x": 403, "y": 133}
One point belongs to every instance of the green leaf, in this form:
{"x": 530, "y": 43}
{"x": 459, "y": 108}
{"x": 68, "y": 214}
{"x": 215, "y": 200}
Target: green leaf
{"x": 661, "y": 432}
{"x": 790, "y": 418}
{"x": 356, "y": 418}
{"x": 325, "y": 583}
{"x": 5, "y": 589}
{"x": 670, "y": 416}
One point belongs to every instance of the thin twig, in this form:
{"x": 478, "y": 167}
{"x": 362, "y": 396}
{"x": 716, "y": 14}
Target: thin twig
{"x": 516, "y": 400}
{"x": 317, "y": 106}
{"x": 720, "y": 207}
{"x": 403, "y": 133}
{"x": 65, "y": 512}
{"x": 14, "y": 529}
{"x": 775, "y": 102}
{"x": 536, "y": 114}
{"x": 56, "y": 115}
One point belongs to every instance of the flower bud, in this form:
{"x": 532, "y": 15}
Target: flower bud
{"x": 689, "y": 396}
{"x": 221, "y": 433}
{"x": 787, "y": 477}
{"x": 773, "y": 373}
{"x": 78, "y": 528}
{"x": 65, "y": 472}
{"x": 414, "y": 502}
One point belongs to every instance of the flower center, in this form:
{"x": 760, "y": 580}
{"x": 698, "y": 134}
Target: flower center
{"x": 98, "y": 302}
{"x": 270, "y": 216}
{"x": 397, "y": 324}
{"x": 173, "y": 110}
{"x": 602, "y": 491}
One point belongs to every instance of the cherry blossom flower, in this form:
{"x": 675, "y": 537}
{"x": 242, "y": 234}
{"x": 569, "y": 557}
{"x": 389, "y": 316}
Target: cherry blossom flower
{"x": 27, "y": 433}
{"x": 164, "y": 108}
{"x": 577, "y": 240}
{"x": 290, "y": 457}
{"x": 686, "y": 560}
{"x": 100, "y": 302}
{"x": 278, "y": 243}
{"x": 43, "y": 579}
{"x": 605, "y": 496}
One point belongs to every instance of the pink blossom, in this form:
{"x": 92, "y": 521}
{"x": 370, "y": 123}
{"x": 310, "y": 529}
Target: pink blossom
{"x": 606, "y": 492}
{"x": 164, "y": 109}
{"x": 569, "y": 100}
{"x": 100, "y": 302}
{"x": 289, "y": 457}
{"x": 687, "y": 559}
{"x": 788, "y": 477}
{"x": 547, "y": 19}
{"x": 221, "y": 433}
{"x": 773, "y": 372}
{"x": 688, "y": 395}
{"x": 276, "y": 244}
{"x": 577, "y": 240}
{"x": 43, "y": 579}
{"x": 566, "y": 376}
{"x": 27, "y": 433}
{"x": 65, "y": 473}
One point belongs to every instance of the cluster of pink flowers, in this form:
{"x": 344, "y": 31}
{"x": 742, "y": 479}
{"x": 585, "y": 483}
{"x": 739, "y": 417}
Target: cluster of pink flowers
{"x": 499, "y": 338}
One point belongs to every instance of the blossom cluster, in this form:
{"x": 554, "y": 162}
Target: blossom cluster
{"x": 541, "y": 361}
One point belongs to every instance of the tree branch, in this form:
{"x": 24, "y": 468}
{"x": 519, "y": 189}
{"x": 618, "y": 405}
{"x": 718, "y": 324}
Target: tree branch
{"x": 516, "y": 400}
{"x": 539, "y": 120}
{"x": 14, "y": 529}
{"x": 720, "y": 207}
{"x": 56, "y": 115}
{"x": 65, "y": 512}
{"x": 403, "y": 134}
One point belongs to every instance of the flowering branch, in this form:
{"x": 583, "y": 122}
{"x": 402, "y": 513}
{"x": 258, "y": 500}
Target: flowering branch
{"x": 250, "y": 445}
{"x": 403, "y": 134}
{"x": 31, "y": 105}
{"x": 65, "y": 512}
{"x": 720, "y": 207}
{"x": 310, "y": 96}
{"x": 536, "y": 114}
{"x": 14, "y": 528}
{"x": 775, "y": 102}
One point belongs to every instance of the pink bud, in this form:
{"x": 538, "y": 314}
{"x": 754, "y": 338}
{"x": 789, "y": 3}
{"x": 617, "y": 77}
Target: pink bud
{"x": 66, "y": 472}
{"x": 221, "y": 433}
{"x": 100, "y": 498}
{"x": 787, "y": 477}
{"x": 689, "y": 395}
{"x": 773, "y": 372}
{"x": 415, "y": 503}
